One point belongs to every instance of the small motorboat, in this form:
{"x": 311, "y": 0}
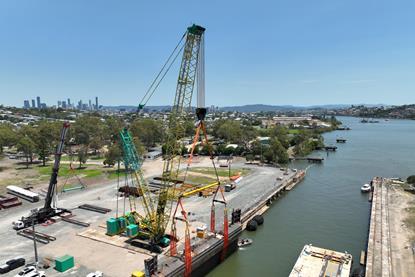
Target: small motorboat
{"x": 366, "y": 188}
{"x": 244, "y": 242}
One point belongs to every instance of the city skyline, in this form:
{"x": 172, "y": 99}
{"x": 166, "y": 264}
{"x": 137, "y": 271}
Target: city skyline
{"x": 65, "y": 104}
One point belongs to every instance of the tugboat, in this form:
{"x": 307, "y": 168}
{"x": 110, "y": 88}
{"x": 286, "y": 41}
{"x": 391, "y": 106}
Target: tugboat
{"x": 244, "y": 242}
{"x": 366, "y": 188}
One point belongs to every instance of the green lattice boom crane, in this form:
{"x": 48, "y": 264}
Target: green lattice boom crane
{"x": 133, "y": 163}
{"x": 176, "y": 129}
{"x": 158, "y": 218}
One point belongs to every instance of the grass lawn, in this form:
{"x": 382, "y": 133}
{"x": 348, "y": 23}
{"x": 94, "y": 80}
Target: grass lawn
{"x": 221, "y": 172}
{"x": 113, "y": 174}
{"x": 293, "y": 131}
{"x": 199, "y": 180}
{"x": 64, "y": 171}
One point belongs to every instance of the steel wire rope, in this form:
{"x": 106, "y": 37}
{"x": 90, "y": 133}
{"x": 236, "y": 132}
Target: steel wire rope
{"x": 147, "y": 96}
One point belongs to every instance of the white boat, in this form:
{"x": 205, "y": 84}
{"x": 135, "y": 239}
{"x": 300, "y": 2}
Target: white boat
{"x": 244, "y": 242}
{"x": 366, "y": 188}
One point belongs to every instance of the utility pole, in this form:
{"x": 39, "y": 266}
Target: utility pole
{"x": 229, "y": 165}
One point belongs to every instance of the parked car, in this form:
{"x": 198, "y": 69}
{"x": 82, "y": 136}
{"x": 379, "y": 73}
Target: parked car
{"x": 15, "y": 263}
{"x": 4, "y": 268}
{"x": 95, "y": 274}
{"x": 30, "y": 271}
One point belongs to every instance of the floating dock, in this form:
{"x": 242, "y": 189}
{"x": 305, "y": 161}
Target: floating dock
{"x": 316, "y": 261}
{"x": 309, "y": 159}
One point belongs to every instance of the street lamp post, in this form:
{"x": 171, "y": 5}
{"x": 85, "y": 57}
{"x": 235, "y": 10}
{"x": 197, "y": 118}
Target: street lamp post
{"x": 34, "y": 211}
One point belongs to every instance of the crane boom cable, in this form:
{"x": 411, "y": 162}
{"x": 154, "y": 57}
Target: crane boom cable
{"x": 148, "y": 95}
{"x": 162, "y": 78}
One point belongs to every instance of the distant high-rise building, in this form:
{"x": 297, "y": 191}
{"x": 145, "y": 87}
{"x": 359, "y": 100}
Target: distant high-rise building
{"x": 59, "y": 103}
{"x": 43, "y": 105}
{"x": 39, "y": 105}
{"x": 90, "y": 104}
{"x": 80, "y": 104}
{"x": 64, "y": 104}
{"x": 26, "y": 104}
{"x": 33, "y": 103}
{"x": 69, "y": 103}
{"x": 96, "y": 103}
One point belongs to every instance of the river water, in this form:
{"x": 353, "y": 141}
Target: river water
{"x": 327, "y": 209}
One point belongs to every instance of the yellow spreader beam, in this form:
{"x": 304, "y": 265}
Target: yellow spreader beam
{"x": 199, "y": 189}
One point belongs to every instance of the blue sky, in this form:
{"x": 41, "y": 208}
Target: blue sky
{"x": 270, "y": 52}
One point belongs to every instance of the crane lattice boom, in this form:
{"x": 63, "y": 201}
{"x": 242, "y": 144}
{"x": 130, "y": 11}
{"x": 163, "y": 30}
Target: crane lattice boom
{"x": 176, "y": 129}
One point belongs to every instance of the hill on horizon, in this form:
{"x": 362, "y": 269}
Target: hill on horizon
{"x": 250, "y": 107}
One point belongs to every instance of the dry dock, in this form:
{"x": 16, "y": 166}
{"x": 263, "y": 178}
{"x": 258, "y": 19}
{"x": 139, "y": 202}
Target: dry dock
{"x": 316, "y": 261}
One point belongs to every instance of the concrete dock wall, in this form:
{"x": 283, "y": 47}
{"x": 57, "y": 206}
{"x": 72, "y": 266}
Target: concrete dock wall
{"x": 262, "y": 206}
{"x": 378, "y": 257}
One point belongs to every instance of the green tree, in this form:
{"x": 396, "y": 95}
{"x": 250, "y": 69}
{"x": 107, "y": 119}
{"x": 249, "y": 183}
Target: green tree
{"x": 281, "y": 133}
{"x": 249, "y": 157}
{"x": 89, "y": 131}
{"x": 149, "y": 131}
{"x": 411, "y": 179}
{"x": 82, "y": 155}
{"x": 279, "y": 151}
{"x": 27, "y": 146}
{"x": 189, "y": 127}
{"x": 220, "y": 149}
{"x": 230, "y": 131}
{"x": 113, "y": 126}
{"x": 139, "y": 146}
{"x": 96, "y": 143}
{"x": 45, "y": 138}
{"x": 113, "y": 155}
{"x": 7, "y": 135}
{"x": 248, "y": 134}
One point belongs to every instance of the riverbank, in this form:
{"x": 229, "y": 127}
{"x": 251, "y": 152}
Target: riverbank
{"x": 327, "y": 209}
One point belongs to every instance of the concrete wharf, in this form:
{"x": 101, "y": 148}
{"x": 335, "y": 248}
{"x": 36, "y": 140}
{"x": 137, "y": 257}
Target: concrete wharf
{"x": 262, "y": 206}
{"x": 378, "y": 257}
